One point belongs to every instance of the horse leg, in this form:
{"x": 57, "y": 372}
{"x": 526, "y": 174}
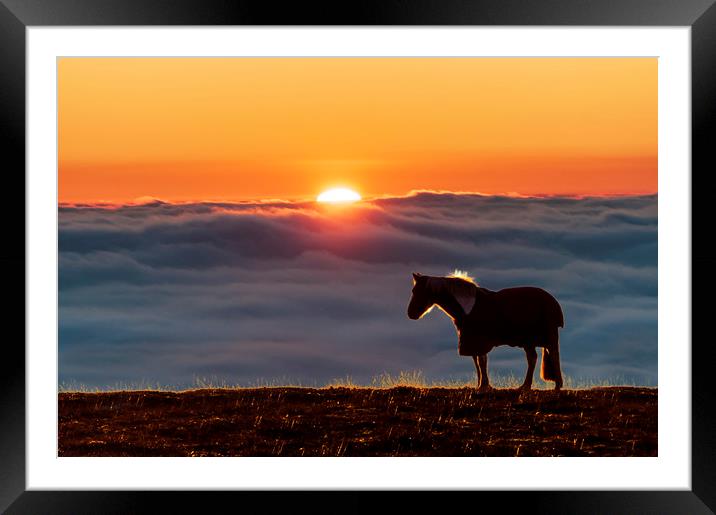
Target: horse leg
{"x": 531, "y": 362}
{"x": 477, "y": 371}
{"x": 484, "y": 385}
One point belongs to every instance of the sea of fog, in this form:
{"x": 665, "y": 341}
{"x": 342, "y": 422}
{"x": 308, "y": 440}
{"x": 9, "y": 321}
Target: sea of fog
{"x": 299, "y": 293}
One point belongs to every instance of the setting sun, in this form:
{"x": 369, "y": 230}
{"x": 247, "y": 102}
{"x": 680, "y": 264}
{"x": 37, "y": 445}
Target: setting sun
{"x": 338, "y": 196}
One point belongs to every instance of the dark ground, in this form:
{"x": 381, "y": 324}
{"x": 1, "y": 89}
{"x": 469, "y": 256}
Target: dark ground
{"x": 400, "y": 421}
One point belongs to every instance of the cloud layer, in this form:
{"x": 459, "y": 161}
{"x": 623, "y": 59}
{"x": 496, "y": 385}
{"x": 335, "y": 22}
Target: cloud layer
{"x": 302, "y": 292}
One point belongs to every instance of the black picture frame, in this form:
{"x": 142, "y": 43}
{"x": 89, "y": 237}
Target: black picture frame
{"x": 17, "y": 15}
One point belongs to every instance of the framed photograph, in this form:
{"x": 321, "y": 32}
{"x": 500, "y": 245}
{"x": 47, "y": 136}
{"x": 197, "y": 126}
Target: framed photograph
{"x": 238, "y": 223}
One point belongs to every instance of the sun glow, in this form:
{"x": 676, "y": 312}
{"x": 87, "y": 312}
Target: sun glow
{"x": 338, "y": 196}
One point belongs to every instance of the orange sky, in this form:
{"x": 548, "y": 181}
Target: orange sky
{"x": 240, "y": 128}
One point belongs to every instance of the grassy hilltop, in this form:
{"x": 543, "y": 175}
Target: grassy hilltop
{"x": 359, "y": 421}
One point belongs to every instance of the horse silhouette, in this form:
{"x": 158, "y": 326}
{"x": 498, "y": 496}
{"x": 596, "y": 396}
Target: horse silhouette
{"x": 526, "y": 317}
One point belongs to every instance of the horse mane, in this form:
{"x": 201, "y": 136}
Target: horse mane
{"x": 461, "y": 286}
{"x": 461, "y": 274}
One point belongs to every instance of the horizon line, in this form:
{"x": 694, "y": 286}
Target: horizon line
{"x": 300, "y": 199}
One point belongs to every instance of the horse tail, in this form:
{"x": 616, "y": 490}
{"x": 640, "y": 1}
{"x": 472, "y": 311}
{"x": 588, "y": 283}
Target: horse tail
{"x": 550, "y": 364}
{"x": 550, "y": 370}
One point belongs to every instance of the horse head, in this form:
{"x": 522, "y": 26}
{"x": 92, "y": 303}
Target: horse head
{"x": 421, "y": 299}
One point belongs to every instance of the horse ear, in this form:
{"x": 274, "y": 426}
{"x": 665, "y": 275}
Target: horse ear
{"x": 416, "y": 276}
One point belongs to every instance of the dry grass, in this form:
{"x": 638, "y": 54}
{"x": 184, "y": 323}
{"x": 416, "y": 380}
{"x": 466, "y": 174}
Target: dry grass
{"x": 359, "y": 421}
{"x": 410, "y": 378}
